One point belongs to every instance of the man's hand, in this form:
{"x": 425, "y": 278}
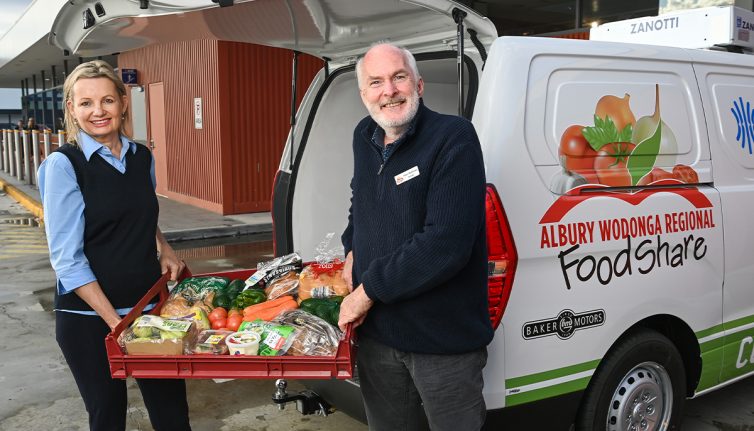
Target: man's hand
{"x": 348, "y": 271}
{"x": 354, "y": 308}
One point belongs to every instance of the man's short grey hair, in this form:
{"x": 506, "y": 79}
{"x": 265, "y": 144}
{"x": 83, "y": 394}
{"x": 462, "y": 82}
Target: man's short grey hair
{"x": 409, "y": 58}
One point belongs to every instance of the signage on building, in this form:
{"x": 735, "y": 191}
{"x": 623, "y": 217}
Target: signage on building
{"x": 197, "y": 112}
{"x": 128, "y": 76}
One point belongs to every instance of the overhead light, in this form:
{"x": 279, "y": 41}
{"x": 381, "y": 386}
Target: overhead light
{"x": 88, "y": 18}
{"x": 99, "y": 9}
{"x": 594, "y": 24}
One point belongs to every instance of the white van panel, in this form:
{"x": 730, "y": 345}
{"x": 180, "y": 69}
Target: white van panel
{"x": 326, "y": 167}
{"x": 547, "y": 287}
{"x": 728, "y": 90}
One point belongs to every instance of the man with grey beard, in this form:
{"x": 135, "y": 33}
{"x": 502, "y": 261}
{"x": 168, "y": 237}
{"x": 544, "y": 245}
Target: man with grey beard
{"x": 416, "y": 254}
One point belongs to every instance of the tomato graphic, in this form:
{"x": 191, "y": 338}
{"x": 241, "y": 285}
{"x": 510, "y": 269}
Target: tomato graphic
{"x": 575, "y": 153}
{"x": 610, "y": 164}
{"x": 656, "y": 174}
{"x": 684, "y": 173}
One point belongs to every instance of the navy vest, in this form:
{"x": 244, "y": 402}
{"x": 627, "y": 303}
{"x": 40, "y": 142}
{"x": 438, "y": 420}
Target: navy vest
{"x": 120, "y": 224}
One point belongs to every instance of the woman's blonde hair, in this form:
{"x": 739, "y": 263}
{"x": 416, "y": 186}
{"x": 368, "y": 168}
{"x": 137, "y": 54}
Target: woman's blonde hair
{"x": 90, "y": 69}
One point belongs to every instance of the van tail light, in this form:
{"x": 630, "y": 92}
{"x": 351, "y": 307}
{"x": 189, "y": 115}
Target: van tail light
{"x": 501, "y": 256}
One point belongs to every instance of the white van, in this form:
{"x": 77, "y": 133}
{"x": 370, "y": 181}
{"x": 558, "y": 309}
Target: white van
{"x": 621, "y": 188}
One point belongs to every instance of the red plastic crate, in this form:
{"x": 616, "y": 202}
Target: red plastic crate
{"x": 122, "y": 365}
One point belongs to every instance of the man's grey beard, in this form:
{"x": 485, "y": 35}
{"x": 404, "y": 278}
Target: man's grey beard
{"x": 413, "y": 108}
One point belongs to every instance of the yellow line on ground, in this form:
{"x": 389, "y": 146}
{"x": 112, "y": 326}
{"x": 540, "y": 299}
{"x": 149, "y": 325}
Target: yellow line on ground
{"x": 27, "y": 201}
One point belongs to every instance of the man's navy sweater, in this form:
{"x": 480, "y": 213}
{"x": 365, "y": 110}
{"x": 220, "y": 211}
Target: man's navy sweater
{"x": 419, "y": 247}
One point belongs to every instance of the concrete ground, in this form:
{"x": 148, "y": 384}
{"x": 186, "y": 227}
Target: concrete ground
{"x": 37, "y": 389}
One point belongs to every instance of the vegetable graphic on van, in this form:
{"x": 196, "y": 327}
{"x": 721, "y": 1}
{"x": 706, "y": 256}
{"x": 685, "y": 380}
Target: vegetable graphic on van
{"x": 620, "y": 151}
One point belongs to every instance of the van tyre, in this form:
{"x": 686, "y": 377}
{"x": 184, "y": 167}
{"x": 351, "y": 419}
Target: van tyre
{"x": 639, "y": 386}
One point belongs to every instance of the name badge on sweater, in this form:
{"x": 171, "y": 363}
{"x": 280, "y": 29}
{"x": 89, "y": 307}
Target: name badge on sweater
{"x": 406, "y": 175}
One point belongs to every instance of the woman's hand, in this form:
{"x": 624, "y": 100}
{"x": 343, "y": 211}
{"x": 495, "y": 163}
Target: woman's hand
{"x": 92, "y": 294}
{"x": 169, "y": 261}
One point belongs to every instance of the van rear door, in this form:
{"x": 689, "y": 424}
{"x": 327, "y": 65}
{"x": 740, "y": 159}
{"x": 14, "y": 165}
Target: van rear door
{"x": 310, "y": 196}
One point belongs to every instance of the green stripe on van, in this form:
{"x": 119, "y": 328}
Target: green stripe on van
{"x": 547, "y": 392}
{"x": 739, "y": 322}
{"x": 711, "y": 345}
{"x": 712, "y": 361}
{"x": 551, "y": 374}
{"x": 707, "y": 332}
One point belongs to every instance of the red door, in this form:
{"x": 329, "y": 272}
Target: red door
{"x": 157, "y": 134}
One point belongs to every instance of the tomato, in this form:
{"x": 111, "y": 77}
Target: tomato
{"x": 684, "y": 173}
{"x": 217, "y": 313}
{"x": 219, "y": 323}
{"x": 655, "y": 174}
{"x": 234, "y": 322}
{"x": 575, "y": 153}
{"x": 610, "y": 164}
{"x": 234, "y": 311}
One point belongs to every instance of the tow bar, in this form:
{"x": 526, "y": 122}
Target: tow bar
{"x": 307, "y": 401}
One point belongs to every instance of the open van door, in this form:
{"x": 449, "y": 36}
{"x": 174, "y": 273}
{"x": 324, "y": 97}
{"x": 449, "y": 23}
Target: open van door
{"x": 311, "y": 190}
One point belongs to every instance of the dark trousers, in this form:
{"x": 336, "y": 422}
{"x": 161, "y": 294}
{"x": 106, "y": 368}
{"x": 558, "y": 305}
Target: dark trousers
{"x": 82, "y": 340}
{"x": 396, "y": 384}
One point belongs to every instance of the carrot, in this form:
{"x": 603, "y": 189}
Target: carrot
{"x": 270, "y": 313}
{"x": 267, "y": 304}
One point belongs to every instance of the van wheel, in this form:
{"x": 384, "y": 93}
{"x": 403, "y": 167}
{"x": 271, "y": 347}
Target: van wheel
{"x": 639, "y": 386}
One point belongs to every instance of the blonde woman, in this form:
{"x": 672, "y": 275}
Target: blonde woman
{"x": 101, "y": 222}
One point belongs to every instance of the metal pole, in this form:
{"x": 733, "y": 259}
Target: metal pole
{"x": 24, "y": 98}
{"x": 9, "y": 151}
{"x": 44, "y": 99}
{"x": 35, "y": 158}
{"x": 3, "y": 151}
{"x": 17, "y": 153}
{"x": 294, "y": 82}
{"x": 54, "y": 100}
{"x": 27, "y": 157}
{"x": 9, "y": 165}
{"x": 47, "y": 140}
{"x": 8, "y": 145}
{"x": 458, "y": 16}
{"x": 36, "y": 96}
